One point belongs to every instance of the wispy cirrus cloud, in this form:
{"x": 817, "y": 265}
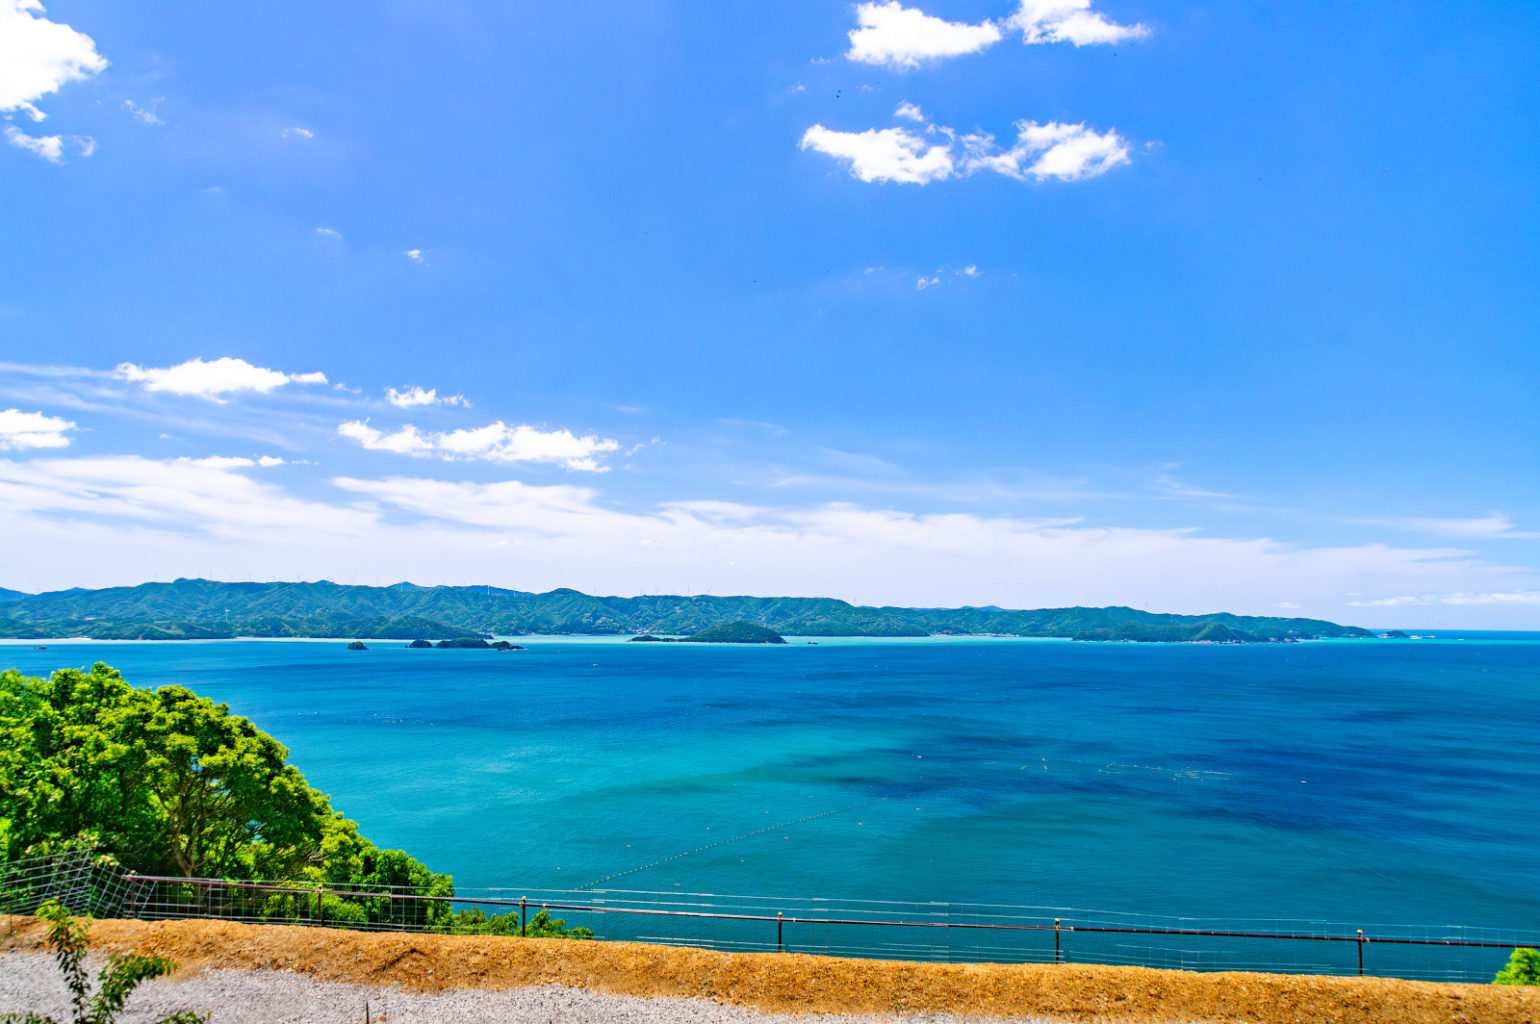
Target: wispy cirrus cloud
{"x": 1492, "y": 526}
{"x": 144, "y": 115}
{"x": 895, "y": 36}
{"x": 213, "y": 379}
{"x": 1509, "y": 597}
{"x": 495, "y": 442}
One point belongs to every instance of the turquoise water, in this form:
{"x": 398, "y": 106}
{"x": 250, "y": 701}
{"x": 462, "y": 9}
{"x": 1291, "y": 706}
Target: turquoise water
{"x": 1353, "y": 781}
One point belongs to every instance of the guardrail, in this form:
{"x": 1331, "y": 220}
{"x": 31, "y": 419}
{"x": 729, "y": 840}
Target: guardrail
{"x": 915, "y": 931}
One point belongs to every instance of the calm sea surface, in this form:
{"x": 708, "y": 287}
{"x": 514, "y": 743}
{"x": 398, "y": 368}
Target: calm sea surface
{"x": 1351, "y": 781}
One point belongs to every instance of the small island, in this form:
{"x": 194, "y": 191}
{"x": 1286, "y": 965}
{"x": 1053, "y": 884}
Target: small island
{"x": 357, "y": 645}
{"x": 419, "y": 645}
{"x": 727, "y": 633}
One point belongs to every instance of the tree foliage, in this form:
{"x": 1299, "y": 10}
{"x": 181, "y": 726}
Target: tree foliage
{"x": 171, "y": 784}
{"x": 1523, "y": 968}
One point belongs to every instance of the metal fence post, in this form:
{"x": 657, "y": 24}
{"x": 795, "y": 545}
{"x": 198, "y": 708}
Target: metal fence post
{"x": 1056, "y": 940}
{"x": 523, "y": 918}
{"x": 780, "y": 922}
{"x": 1360, "y": 952}
{"x": 133, "y": 892}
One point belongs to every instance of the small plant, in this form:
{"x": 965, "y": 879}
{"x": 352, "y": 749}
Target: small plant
{"x": 123, "y": 973}
{"x": 1523, "y": 969}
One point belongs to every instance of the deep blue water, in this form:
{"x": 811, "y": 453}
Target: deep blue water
{"x": 1363, "y": 781}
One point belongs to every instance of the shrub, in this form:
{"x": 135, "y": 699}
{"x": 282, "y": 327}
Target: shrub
{"x": 1523, "y": 969}
{"x": 123, "y": 973}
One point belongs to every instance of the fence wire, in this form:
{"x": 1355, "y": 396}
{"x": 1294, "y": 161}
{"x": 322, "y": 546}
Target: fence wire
{"x": 943, "y": 932}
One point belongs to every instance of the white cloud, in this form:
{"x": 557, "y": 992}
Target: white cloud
{"x": 925, "y": 282}
{"x": 214, "y": 378}
{"x": 49, "y": 147}
{"x": 296, "y": 132}
{"x": 406, "y": 441}
{"x": 1492, "y": 526}
{"x": 33, "y": 430}
{"x": 268, "y": 461}
{"x": 126, "y": 519}
{"x": 171, "y": 496}
{"x": 495, "y": 442}
{"x": 416, "y": 255}
{"x": 415, "y": 396}
{"x": 1511, "y": 597}
{"x": 887, "y": 154}
{"x": 1069, "y": 21}
{"x": 1066, "y": 152}
{"x": 971, "y": 270}
{"x": 37, "y": 56}
{"x": 903, "y": 37}
{"x": 221, "y": 462}
{"x": 141, "y": 114}
{"x": 328, "y": 233}
{"x": 909, "y": 112}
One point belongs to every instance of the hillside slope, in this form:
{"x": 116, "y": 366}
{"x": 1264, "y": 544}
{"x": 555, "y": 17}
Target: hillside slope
{"x": 190, "y": 609}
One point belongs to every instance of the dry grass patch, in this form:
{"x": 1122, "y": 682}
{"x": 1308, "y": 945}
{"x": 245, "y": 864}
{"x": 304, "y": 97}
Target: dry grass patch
{"x": 797, "y": 983}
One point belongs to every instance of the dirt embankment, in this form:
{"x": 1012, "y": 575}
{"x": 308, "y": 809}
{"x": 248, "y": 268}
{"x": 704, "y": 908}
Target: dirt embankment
{"x": 797, "y": 983}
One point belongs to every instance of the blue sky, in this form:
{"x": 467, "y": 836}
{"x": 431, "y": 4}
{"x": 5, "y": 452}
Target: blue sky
{"x": 1183, "y": 306}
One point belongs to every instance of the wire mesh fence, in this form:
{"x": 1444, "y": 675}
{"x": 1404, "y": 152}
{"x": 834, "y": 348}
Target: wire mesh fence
{"x": 946, "y": 932}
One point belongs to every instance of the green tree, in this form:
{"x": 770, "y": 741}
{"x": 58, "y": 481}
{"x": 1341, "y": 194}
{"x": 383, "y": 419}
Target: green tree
{"x": 172, "y": 783}
{"x": 1523, "y": 968}
{"x": 124, "y": 973}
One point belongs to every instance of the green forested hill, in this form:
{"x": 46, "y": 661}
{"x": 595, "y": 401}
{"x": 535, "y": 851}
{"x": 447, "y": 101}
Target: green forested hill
{"x": 196, "y": 609}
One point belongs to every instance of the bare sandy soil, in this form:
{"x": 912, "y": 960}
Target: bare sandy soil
{"x": 795, "y": 983}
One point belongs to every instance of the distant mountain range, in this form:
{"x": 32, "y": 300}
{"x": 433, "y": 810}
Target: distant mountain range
{"x": 207, "y": 609}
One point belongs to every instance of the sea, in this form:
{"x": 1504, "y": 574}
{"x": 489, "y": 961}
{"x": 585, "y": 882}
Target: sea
{"x": 1378, "y": 784}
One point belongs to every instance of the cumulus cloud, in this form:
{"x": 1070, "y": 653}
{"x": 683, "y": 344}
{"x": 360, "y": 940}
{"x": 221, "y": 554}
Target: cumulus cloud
{"x": 213, "y": 379}
{"x": 408, "y": 398}
{"x": 33, "y": 430}
{"x": 909, "y": 112}
{"x": 406, "y": 441}
{"x": 1069, "y": 21}
{"x": 1064, "y": 152}
{"x": 896, "y": 36}
{"x": 416, "y": 255}
{"x": 49, "y": 147}
{"x": 38, "y": 56}
{"x": 296, "y": 132}
{"x": 495, "y": 442}
{"x": 328, "y": 232}
{"x": 887, "y": 154}
{"x": 904, "y": 37}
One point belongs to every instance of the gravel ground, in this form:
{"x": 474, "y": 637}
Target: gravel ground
{"x": 30, "y": 982}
